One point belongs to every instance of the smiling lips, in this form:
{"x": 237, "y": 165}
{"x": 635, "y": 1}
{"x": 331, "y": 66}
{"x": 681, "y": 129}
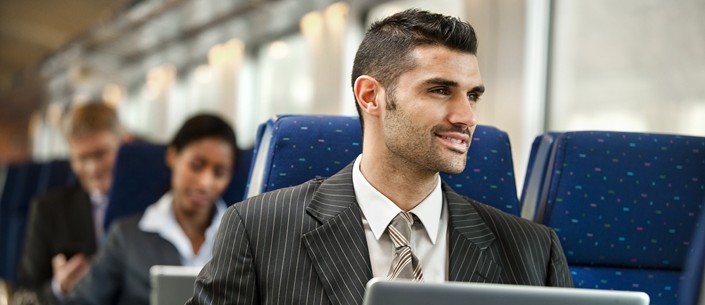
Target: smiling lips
{"x": 456, "y": 141}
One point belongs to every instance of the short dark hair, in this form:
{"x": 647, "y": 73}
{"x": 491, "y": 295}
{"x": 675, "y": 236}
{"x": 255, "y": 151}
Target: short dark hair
{"x": 202, "y": 126}
{"x": 385, "y": 51}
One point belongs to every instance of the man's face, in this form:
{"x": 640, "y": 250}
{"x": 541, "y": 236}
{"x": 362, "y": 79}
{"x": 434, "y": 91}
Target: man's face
{"x": 92, "y": 158}
{"x": 430, "y": 117}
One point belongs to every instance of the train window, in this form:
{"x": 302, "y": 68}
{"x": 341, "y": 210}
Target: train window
{"x": 284, "y": 80}
{"x": 628, "y": 65}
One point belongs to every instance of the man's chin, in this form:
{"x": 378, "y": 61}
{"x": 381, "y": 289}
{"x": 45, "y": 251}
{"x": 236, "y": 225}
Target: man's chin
{"x": 453, "y": 171}
{"x": 454, "y": 168}
{"x": 98, "y": 187}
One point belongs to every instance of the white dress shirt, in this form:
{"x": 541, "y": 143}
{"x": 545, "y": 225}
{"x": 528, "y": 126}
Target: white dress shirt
{"x": 429, "y": 239}
{"x": 99, "y": 203}
{"x": 159, "y": 218}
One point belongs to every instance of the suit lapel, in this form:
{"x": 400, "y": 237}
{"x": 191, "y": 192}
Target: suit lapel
{"x": 338, "y": 248}
{"x": 469, "y": 239}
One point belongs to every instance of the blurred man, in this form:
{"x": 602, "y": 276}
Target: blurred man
{"x": 65, "y": 227}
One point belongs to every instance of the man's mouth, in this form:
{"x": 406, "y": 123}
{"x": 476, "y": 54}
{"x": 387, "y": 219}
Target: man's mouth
{"x": 456, "y": 141}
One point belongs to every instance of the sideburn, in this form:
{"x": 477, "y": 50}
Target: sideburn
{"x": 391, "y": 103}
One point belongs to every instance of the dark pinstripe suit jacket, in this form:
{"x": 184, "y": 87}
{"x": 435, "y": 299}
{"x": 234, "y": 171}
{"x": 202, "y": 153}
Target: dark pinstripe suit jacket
{"x": 306, "y": 245}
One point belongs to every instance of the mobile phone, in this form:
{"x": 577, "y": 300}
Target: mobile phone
{"x": 70, "y": 249}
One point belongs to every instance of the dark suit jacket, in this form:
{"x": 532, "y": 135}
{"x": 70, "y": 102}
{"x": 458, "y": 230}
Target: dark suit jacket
{"x": 61, "y": 221}
{"x": 120, "y": 272}
{"x": 306, "y": 245}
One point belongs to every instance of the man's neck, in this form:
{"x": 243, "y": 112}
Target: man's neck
{"x": 404, "y": 184}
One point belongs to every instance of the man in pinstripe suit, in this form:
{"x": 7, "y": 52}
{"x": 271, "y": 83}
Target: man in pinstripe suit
{"x": 416, "y": 82}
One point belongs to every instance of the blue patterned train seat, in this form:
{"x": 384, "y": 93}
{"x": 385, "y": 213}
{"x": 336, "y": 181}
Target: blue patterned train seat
{"x": 293, "y": 149}
{"x": 624, "y": 206}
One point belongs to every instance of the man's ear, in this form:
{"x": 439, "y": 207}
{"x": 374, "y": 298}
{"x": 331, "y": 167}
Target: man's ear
{"x": 367, "y": 90}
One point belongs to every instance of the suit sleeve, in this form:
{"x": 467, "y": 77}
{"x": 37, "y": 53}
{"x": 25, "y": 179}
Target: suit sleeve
{"x": 35, "y": 267}
{"x": 558, "y": 272}
{"x": 229, "y": 277}
{"x": 102, "y": 284}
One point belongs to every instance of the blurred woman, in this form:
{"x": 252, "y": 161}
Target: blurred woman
{"x": 178, "y": 229}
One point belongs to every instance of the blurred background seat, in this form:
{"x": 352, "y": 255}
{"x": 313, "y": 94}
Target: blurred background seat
{"x": 141, "y": 177}
{"x": 292, "y": 149}
{"x": 22, "y": 183}
{"x": 624, "y": 206}
{"x": 55, "y": 173}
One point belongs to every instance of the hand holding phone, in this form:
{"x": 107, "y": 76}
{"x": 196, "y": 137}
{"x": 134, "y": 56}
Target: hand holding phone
{"x": 67, "y": 272}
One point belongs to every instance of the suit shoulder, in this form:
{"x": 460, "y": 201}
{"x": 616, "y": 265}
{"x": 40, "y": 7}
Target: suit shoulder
{"x": 59, "y": 197}
{"x": 277, "y": 203}
{"x": 127, "y": 224}
{"x": 59, "y": 192}
{"x": 126, "y": 231}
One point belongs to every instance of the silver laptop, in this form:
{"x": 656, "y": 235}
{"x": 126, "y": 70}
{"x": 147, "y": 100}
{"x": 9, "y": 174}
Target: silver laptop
{"x": 384, "y": 292}
{"x": 171, "y": 284}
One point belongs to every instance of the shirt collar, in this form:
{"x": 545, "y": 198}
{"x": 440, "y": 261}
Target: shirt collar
{"x": 160, "y": 215}
{"x": 98, "y": 199}
{"x": 379, "y": 210}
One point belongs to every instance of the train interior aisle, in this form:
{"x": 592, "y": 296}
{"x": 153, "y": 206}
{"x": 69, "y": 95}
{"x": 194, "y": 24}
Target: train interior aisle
{"x": 592, "y": 123}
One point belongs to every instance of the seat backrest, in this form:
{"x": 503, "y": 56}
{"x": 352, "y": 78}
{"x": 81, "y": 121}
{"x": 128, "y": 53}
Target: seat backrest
{"x": 141, "y": 177}
{"x": 692, "y": 290}
{"x": 241, "y": 173}
{"x": 293, "y": 149}
{"x": 535, "y": 177}
{"x": 20, "y": 187}
{"x": 55, "y": 173}
{"x": 21, "y": 183}
{"x": 624, "y": 206}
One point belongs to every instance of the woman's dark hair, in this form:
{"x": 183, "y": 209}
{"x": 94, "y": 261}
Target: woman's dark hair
{"x": 203, "y": 126}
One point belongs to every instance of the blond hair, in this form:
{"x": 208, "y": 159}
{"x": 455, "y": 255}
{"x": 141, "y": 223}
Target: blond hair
{"x": 91, "y": 117}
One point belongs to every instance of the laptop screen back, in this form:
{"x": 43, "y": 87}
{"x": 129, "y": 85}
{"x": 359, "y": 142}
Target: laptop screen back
{"x": 172, "y": 284}
{"x": 382, "y": 292}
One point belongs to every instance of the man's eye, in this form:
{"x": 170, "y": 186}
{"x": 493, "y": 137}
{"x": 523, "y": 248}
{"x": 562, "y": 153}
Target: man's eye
{"x": 473, "y": 97}
{"x": 442, "y": 91}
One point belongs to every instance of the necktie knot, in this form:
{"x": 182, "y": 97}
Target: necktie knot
{"x": 400, "y": 229}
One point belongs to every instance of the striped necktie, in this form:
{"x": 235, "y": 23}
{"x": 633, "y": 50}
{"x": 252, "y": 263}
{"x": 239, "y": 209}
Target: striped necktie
{"x": 405, "y": 264}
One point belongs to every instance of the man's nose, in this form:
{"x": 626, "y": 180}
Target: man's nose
{"x": 461, "y": 112}
{"x": 90, "y": 165}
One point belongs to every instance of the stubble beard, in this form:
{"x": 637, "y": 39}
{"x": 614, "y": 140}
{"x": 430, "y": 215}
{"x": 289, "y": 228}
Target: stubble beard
{"x": 416, "y": 147}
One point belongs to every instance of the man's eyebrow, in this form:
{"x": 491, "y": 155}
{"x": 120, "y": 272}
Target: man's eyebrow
{"x": 479, "y": 89}
{"x": 449, "y": 83}
{"x": 441, "y": 82}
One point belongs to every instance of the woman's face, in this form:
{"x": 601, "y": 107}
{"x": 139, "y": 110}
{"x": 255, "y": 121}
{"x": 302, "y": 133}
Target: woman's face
{"x": 200, "y": 173}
